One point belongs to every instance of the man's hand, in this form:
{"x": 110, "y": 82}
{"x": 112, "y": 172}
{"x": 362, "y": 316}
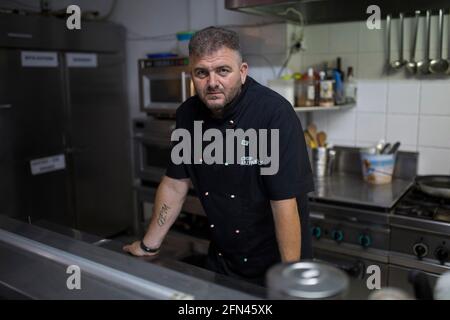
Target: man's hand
{"x": 135, "y": 250}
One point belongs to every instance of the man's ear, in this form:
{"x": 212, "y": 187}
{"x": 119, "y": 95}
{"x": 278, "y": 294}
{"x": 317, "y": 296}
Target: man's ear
{"x": 244, "y": 71}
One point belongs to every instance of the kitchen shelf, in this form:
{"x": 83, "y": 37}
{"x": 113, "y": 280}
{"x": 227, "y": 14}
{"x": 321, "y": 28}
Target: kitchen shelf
{"x": 320, "y": 108}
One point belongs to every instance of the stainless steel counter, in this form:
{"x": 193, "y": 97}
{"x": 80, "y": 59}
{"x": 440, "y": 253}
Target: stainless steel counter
{"x": 353, "y": 190}
{"x": 34, "y": 262}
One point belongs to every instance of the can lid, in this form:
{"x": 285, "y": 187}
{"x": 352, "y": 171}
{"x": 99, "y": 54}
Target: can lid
{"x": 307, "y": 280}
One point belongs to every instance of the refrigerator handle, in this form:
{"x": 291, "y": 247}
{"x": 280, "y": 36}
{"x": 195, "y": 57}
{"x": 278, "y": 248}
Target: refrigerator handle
{"x": 183, "y": 86}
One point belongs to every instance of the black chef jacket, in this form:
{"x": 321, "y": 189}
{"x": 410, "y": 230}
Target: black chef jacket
{"x": 235, "y": 197}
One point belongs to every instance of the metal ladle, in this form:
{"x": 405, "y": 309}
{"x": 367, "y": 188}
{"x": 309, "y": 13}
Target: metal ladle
{"x": 440, "y": 65}
{"x": 388, "y": 42}
{"x": 424, "y": 65}
{"x": 411, "y": 66}
{"x": 400, "y": 62}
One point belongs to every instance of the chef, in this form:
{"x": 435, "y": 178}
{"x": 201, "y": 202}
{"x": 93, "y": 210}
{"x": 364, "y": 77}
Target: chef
{"x": 256, "y": 219}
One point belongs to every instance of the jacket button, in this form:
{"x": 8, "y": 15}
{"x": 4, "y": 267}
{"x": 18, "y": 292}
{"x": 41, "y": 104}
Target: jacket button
{"x": 232, "y": 196}
{"x": 220, "y": 254}
{"x": 237, "y": 231}
{"x": 245, "y": 259}
{"x": 226, "y": 163}
{"x": 206, "y": 193}
{"x": 231, "y": 122}
{"x": 212, "y": 226}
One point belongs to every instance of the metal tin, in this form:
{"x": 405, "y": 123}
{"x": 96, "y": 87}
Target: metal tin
{"x": 306, "y": 280}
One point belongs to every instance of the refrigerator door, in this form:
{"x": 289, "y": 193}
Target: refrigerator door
{"x": 101, "y": 145}
{"x": 32, "y": 132}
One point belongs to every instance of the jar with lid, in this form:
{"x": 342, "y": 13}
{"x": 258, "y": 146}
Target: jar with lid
{"x": 183, "y": 39}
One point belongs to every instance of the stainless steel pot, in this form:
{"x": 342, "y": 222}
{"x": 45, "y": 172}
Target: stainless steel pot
{"x": 306, "y": 280}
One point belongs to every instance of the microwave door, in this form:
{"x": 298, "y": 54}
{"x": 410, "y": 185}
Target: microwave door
{"x": 187, "y": 85}
{"x": 162, "y": 90}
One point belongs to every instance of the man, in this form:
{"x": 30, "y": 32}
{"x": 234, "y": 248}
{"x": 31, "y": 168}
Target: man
{"x": 256, "y": 219}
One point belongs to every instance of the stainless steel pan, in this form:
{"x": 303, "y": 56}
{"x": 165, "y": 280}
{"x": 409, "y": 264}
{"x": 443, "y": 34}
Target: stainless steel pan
{"x": 437, "y": 186}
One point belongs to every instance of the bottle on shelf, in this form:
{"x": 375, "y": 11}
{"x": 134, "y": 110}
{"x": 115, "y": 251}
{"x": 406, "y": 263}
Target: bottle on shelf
{"x": 339, "y": 94}
{"x": 300, "y": 92}
{"x": 339, "y": 68}
{"x": 312, "y": 89}
{"x": 326, "y": 96}
{"x": 350, "y": 86}
{"x": 338, "y": 76}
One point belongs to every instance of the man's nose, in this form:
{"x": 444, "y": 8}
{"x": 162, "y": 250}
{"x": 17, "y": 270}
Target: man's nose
{"x": 212, "y": 81}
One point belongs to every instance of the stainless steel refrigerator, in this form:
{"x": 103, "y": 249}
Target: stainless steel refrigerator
{"x": 64, "y": 136}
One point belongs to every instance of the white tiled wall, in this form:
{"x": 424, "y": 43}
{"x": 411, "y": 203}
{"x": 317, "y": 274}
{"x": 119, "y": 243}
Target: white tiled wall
{"x": 395, "y": 106}
{"x": 390, "y": 106}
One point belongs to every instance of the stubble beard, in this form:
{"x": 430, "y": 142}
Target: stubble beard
{"x": 218, "y": 109}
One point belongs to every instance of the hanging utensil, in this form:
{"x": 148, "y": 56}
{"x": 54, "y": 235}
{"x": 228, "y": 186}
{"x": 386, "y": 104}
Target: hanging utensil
{"x": 411, "y": 66}
{"x": 400, "y": 62}
{"x": 440, "y": 65}
{"x": 424, "y": 65}
{"x": 388, "y": 42}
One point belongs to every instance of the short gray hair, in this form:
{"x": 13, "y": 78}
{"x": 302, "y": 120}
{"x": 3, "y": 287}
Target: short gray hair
{"x": 211, "y": 39}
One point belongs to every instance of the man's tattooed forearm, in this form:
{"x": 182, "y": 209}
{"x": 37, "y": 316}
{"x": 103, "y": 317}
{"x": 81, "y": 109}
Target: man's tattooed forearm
{"x": 163, "y": 214}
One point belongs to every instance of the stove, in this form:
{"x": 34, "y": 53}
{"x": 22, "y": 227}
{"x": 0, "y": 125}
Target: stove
{"x": 420, "y": 237}
{"x": 420, "y": 205}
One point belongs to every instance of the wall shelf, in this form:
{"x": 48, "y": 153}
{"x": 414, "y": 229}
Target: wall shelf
{"x": 320, "y": 108}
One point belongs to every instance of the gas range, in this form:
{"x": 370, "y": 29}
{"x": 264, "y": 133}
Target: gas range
{"x": 420, "y": 236}
{"x": 419, "y": 205}
{"x": 420, "y": 226}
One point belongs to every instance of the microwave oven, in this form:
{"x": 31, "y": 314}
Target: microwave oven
{"x": 164, "y": 83}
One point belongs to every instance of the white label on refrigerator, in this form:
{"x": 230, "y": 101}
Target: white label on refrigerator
{"x": 81, "y": 60}
{"x": 48, "y": 164}
{"x": 39, "y": 59}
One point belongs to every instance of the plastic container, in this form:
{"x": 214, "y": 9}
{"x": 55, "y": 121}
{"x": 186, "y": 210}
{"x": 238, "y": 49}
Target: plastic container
{"x": 161, "y": 55}
{"x": 285, "y": 88}
{"x": 183, "y": 42}
{"x": 377, "y": 168}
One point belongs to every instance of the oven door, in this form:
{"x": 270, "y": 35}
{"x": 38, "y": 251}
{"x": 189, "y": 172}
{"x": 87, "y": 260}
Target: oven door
{"x": 151, "y": 158}
{"x": 163, "y": 89}
{"x": 357, "y": 270}
{"x": 151, "y": 148}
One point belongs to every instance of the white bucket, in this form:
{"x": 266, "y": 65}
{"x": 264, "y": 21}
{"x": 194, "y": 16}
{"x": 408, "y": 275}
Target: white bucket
{"x": 377, "y": 168}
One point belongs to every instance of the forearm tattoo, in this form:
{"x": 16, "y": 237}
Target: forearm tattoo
{"x": 163, "y": 214}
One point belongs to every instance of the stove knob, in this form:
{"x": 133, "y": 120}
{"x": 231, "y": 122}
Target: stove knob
{"x": 420, "y": 250}
{"x": 441, "y": 254}
{"x": 337, "y": 235}
{"x": 316, "y": 232}
{"x": 365, "y": 240}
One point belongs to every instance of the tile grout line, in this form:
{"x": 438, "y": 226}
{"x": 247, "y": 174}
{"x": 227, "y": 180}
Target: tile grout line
{"x": 419, "y": 116}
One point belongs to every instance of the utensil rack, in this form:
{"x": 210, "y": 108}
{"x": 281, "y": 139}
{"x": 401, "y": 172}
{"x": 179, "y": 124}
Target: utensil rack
{"x": 428, "y": 65}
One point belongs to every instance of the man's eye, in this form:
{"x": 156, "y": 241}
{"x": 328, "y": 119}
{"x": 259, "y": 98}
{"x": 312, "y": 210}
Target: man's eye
{"x": 200, "y": 73}
{"x": 224, "y": 71}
